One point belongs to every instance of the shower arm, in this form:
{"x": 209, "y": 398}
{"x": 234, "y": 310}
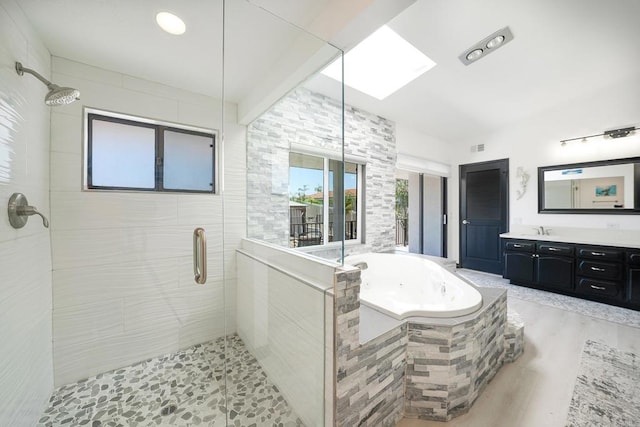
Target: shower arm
{"x": 21, "y": 70}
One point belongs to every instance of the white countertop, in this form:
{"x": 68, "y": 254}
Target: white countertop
{"x": 591, "y": 237}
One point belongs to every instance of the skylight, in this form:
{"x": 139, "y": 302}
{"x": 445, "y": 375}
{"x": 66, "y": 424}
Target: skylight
{"x": 381, "y": 64}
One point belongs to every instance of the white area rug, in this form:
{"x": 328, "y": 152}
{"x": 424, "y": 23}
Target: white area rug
{"x": 598, "y": 310}
{"x": 607, "y": 390}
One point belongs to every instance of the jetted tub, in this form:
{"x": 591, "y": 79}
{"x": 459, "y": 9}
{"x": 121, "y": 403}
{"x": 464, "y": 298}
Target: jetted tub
{"x": 411, "y": 285}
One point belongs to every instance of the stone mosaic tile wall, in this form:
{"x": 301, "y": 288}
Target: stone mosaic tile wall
{"x": 307, "y": 118}
{"x": 370, "y": 377}
{"x": 448, "y": 366}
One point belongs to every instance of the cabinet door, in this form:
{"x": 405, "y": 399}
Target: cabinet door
{"x": 634, "y": 285}
{"x": 555, "y": 272}
{"x": 519, "y": 266}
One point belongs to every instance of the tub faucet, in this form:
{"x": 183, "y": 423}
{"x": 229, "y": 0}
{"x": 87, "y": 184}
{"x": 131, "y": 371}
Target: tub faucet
{"x": 361, "y": 265}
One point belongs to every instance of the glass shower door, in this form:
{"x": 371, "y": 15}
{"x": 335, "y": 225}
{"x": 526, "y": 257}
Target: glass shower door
{"x": 136, "y": 339}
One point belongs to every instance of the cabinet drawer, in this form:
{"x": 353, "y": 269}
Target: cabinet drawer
{"x": 555, "y": 249}
{"x": 604, "y": 270}
{"x": 598, "y": 287}
{"x": 603, "y": 254}
{"x": 520, "y": 246}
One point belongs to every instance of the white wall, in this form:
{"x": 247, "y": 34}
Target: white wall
{"x": 122, "y": 262}
{"x": 535, "y": 142}
{"x": 26, "y": 373}
{"x": 415, "y": 143}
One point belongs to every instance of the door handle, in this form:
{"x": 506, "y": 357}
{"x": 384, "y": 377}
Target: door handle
{"x": 465, "y": 222}
{"x": 199, "y": 256}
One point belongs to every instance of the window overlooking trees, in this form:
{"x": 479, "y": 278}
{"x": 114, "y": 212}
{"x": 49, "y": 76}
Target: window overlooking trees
{"x": 310, "y": 204}
{"x": 402, "y": 212}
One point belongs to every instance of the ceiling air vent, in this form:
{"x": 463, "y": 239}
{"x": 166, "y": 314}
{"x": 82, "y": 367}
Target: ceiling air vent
{"x": 477, "y": 148}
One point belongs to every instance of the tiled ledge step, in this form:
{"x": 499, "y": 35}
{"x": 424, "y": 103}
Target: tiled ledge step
{"x": 513, "y": 336}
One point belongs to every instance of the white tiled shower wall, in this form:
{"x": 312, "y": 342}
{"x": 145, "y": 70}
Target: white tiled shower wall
{"x": 26, "y": 372}
{"x": 285, "y": 319}
{"x": 123, "y": 287}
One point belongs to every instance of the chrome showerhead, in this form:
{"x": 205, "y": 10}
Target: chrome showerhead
{"x": 61, "y": 95}
{"x": 57, "y": 95}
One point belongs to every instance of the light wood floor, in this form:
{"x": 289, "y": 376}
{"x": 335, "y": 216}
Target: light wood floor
{"x": 536, "y": 389}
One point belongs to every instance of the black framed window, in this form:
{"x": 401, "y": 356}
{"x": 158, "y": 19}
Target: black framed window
{"x": 126, "y": 154}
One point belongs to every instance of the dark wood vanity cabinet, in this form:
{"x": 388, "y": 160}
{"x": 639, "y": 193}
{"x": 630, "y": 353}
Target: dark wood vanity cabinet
{"x": 601, "y": 273}
{"x": 541, "y": 264}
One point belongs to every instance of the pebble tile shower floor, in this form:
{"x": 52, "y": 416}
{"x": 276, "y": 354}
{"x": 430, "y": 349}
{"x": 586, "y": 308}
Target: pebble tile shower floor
{"x": 185, "y": 388}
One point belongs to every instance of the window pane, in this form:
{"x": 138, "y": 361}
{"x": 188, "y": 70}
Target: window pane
{"x": 337, "y": 201}
{"x": 188, "y": 161}
{"x": 350, "y": 201}
{"x": 122, "y": 155}
{"x": 306, "y": 200}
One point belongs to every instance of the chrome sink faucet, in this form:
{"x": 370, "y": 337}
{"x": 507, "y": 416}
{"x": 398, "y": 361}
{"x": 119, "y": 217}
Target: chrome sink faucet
{"x": 542, "y": 231}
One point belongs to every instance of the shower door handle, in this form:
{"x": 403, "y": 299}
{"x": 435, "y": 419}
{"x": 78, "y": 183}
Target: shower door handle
{"x": 199, "y": 256}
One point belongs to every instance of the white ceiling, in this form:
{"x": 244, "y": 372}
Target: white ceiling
{"x": 561, "y": 50}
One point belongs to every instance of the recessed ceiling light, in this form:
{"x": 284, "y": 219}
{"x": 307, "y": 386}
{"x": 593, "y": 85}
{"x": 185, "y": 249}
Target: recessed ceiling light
{"x": 171, "y": 23}
{"x": 474, "y": 54}
{"x": 496, "y": 41}
{"x": 381, "y": 64}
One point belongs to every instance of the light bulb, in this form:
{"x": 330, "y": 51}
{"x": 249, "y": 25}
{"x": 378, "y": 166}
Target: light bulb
{"x": 495, "y": 42}
{"x": 474, "y": 54}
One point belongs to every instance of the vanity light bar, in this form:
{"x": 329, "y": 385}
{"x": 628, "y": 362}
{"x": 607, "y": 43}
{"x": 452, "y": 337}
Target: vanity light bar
{"x": 614, "y": 133}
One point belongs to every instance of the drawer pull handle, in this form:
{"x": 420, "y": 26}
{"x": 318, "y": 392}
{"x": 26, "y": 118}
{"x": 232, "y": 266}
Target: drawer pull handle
{"x": 597, "y": 269}
{"x": 552, "y": 249}
{"x": 598, "y": 288}
{"x": 517, "y": 246}
{"x": 597, "y": 254}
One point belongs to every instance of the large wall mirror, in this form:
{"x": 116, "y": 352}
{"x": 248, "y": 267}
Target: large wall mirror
{"x": 604, "y": 187}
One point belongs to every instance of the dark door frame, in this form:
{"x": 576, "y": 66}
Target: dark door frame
{"x": 503, "y": 166}
{"x": 445, "y": 218}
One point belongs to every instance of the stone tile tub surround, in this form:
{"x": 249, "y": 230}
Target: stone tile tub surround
{"x": 369, "y": 378}
{"x": 430, "y": 371}
{"x": 450, "y": 363}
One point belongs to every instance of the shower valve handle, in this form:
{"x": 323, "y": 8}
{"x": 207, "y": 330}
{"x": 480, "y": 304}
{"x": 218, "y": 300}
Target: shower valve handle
{"x": 19, "y": 211}
{"x": 31, "y": 210}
